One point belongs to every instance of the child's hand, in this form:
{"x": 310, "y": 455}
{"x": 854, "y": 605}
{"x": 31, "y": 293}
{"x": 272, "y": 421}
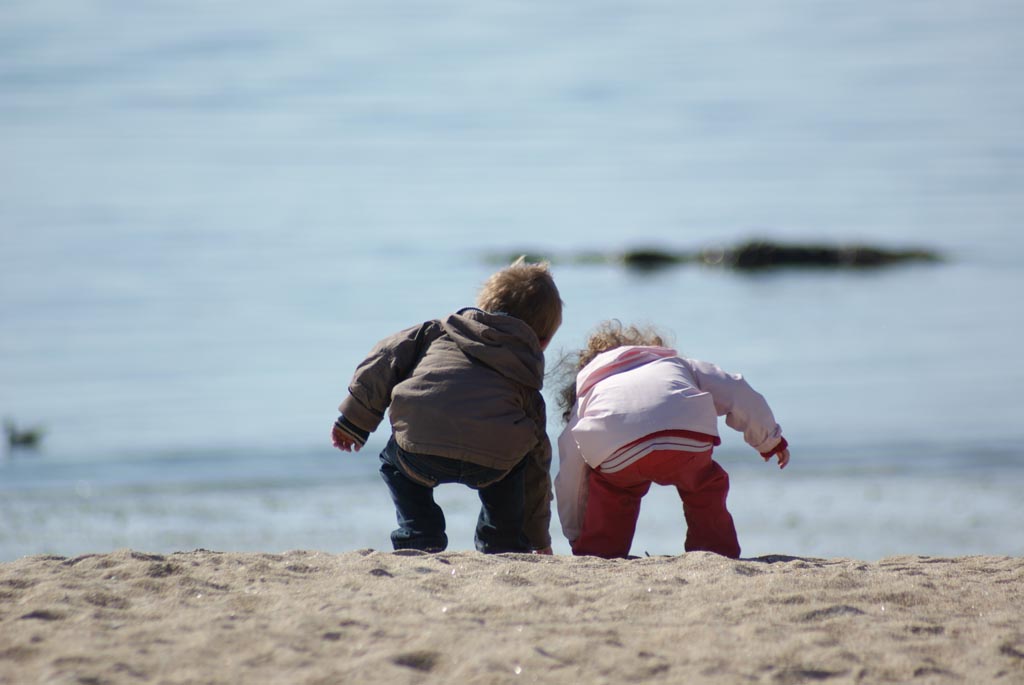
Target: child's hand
{"x": 343, "y": 441}
{"x": 780, "y": 451}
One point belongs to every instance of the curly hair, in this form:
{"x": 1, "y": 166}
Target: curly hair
{"x": 608, "y": 335}
{"x": 526, "y": 291}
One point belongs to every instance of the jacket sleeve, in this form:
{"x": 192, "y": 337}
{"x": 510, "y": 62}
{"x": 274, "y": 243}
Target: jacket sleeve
{"x": 744, "y": 409}
{"x": 571, "y": 482}
{"x": 388, "y": 364}
{"x": 537, "y": 518}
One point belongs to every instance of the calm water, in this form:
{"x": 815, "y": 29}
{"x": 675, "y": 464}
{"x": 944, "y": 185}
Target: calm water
{"x": 208, "y": 215}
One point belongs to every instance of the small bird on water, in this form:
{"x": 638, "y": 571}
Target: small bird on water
{"x": 22, "y": 438}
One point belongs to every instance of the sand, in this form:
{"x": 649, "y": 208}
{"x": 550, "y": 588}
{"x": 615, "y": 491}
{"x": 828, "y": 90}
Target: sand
{"x": 461, "y": 617}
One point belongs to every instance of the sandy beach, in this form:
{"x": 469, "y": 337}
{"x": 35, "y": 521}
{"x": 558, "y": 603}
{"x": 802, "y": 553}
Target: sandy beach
{"x": 462, "y": 617}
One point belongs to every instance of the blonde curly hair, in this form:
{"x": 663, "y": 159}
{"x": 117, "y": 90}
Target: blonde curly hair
{"x": 607, "y": 335}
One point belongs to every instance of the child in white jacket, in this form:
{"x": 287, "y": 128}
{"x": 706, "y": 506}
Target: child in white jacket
{"x": 638, "y": 413}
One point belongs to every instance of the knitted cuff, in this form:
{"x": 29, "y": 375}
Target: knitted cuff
{"x": 351, "y": 430}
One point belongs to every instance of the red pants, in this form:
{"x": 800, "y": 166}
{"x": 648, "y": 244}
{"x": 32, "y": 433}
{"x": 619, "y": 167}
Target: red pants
{"x": 613, "y": 504}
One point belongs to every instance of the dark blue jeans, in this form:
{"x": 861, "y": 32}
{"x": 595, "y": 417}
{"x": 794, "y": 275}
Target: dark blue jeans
{"x": 411, "y": 478}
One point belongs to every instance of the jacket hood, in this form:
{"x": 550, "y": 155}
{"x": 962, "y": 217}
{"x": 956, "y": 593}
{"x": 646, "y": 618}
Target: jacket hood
{"x": 504, "y": 343}
{"x": 616, "y": 361}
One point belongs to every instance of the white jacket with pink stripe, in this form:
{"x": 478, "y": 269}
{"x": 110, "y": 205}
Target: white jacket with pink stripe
{"x": 628, "y": 393}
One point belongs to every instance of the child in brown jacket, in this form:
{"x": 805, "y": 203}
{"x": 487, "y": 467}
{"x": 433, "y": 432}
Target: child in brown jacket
{"x": 464, "y": 401}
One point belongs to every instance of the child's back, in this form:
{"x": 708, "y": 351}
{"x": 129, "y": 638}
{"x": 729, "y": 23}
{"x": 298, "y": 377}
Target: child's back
{"x": 465, "y": 387}
{"x": 638, "y": 413}
{"x": 463, "y": 396}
